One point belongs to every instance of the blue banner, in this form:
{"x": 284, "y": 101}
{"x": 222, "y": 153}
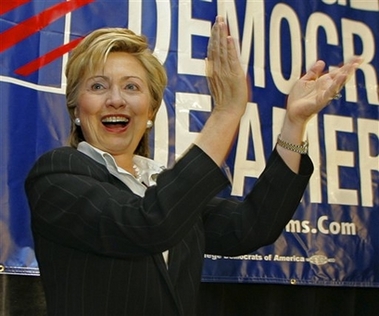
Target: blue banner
{"x": 333, "y": 238}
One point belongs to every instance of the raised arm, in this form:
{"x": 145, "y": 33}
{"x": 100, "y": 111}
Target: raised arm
{"x": 310, "y": 94}
{"x": 227, "y": 83}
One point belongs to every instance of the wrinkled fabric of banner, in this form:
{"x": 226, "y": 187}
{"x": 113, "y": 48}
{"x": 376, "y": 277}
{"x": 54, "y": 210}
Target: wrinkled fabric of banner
{"x": 333, "y": 238}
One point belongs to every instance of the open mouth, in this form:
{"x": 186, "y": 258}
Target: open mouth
{"x": 115, "y": 121}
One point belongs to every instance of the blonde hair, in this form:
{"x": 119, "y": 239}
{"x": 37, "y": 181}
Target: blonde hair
{"x": 92, "y": 52}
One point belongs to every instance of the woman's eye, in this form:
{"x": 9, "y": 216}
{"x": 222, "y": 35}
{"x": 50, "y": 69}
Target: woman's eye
{"x": 131, "y": 86}
{"x": 97, "y": 86}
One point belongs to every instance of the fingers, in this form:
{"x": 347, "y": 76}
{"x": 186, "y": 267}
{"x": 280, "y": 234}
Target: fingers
{"x": 347, "y": 69}
{"x": 233, "y": 57}
{"x": 341, "y": 76}
{"x": 355, "y": 61}
{"x": 315, "y": 71}
{"x": 220, "y": 47}
{"x": 350, "y": 67}
{"x": 333, "y": 90}
{"x": 217, "y": 41}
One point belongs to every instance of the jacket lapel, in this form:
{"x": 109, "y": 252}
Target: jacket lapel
{"x": 161, "y": 265}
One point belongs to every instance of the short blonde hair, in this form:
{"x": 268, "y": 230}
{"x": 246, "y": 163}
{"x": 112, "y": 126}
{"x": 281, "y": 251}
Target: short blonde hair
{"x": 92, "y": 52}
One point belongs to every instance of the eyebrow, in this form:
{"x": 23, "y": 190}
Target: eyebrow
{"x": 123, "y": 78}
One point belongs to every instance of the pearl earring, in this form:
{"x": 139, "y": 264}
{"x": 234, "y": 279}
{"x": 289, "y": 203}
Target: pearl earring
{"x": 77, "y": 121}
{"x": 149, "y": 124}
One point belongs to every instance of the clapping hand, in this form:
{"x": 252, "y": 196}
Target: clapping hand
{"x": 226, "y": 78}
{"x": 315, "y": 90}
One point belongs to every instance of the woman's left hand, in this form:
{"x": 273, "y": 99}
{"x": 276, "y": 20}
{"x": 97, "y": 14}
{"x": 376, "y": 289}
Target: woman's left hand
{"x": 310, "y": 94}
{"x": 315, "y": 90}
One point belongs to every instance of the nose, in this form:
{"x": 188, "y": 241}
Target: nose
{"x": 115, "y": 98}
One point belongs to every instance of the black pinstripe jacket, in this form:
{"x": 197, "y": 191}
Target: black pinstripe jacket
{"x": 99, "y": 246}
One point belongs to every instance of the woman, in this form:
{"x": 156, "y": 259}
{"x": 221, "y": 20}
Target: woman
{"x": 112, "y": 237}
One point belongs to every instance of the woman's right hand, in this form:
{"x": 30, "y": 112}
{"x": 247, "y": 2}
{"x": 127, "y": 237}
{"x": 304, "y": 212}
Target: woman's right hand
{"x": 226, "y": 78}
{"x": 228, "y": 86}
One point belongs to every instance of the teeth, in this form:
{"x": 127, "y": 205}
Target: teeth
{"x": 115, "y": 119}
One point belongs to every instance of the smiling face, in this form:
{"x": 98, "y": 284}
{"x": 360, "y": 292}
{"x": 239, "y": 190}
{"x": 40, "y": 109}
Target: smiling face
{"x": 114, "y": 106}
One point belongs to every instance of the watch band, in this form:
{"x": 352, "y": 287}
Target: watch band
{"x": 300, "y": 149}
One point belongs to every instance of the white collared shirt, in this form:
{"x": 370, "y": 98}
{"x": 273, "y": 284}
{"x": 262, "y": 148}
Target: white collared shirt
{"x": 148, "y": 169}
{"x": 148, "y": 172}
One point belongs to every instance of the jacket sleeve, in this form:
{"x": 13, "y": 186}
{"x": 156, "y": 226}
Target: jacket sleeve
{"x": 234, "y": 228}
{"x": 75, "y": 202}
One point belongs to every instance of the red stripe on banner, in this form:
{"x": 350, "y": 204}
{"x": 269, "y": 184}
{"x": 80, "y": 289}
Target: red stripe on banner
{"x": 32, "y": 25}
{"x": 48, "y": 58}
{"x": 10, "y": 5}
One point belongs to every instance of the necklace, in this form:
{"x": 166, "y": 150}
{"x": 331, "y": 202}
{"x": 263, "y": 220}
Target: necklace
{"x": 137, "y": 173}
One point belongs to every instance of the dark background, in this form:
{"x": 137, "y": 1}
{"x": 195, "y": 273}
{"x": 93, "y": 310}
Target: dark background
{"x": 23, "y": 296}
